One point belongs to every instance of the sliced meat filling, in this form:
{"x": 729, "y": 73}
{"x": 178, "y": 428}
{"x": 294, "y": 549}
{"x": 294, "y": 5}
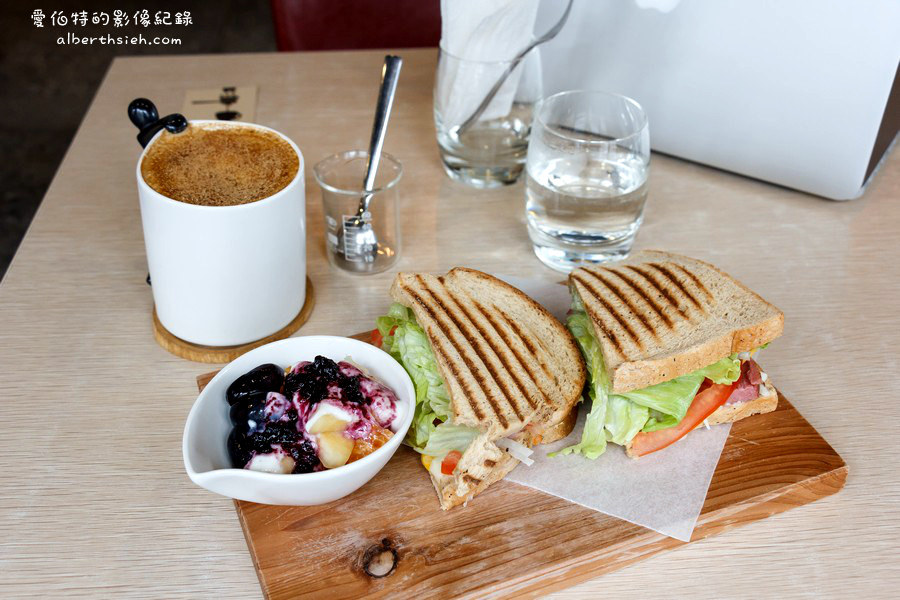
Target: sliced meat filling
{"x": 746, "y": 388}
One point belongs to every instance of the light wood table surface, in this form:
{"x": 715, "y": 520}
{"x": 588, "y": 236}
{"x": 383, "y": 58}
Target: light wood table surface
{"x": 94, "y": 500}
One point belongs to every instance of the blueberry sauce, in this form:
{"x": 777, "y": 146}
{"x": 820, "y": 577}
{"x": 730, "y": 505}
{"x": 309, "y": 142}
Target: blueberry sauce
{"x": 270, "y": 409}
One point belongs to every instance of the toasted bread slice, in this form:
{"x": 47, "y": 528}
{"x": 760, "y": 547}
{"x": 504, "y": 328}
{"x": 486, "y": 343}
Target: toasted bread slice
{"x": 659, "y": 315}
{"x": 482, "y": 464}
{"x": 507, "y": 362}
{"x": 729, "y": 413}
{"x": 485, "y": 463}
{"x": 558, "y": 431}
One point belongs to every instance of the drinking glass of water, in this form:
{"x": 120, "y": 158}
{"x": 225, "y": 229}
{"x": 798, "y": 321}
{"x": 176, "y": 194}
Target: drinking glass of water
{"x": 484, "y": 146}
{"x": 586, "y": 177}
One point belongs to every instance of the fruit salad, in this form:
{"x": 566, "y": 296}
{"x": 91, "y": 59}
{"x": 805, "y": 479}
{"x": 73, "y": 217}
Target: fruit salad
{"x": 313, "y": 416}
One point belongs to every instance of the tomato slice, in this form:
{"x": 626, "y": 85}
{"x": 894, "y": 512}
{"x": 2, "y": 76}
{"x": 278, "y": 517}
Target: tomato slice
{"x": 705, "y": 403}
{"x": 450, "y": 461}
{"x": 375, "y": 338}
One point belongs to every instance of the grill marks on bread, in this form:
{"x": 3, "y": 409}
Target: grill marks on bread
{"x": 504, "y": 355}
{"x": 649, "y": 299}
{"x": 603, "y": 323}
{"x": 665, "y": 293}
{"x": 484, "y": 350}
{"x": 526, "y": 340}
{"x": 628, "y": 303}
{"x": 696, "y": 281}
{"x": 515, "y": 343}
{"x": 640, "y": 301}
{"x": 450, "y": 327}
{"x": 503, "y": 364}
{"x": 666, "y": 272}
{"x": 442, "y": 348}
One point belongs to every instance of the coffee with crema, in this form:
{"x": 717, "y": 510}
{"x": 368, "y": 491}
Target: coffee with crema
{"x": 219, "y": 165}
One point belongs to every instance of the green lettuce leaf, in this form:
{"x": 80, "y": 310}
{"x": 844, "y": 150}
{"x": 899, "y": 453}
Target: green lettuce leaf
{"x": 409, "y": 346}
{"x": 624, "y": 419}
{"x": 446, "y": 437}
{"x": 727, "y": 370}
{"x": 593, "y": 439}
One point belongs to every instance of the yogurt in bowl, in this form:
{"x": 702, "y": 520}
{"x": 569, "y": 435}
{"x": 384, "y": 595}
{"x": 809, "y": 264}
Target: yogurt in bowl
{"x": 210, "y": 459}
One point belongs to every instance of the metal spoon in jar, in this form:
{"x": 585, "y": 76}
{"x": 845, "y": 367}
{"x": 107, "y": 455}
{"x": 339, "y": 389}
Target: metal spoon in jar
{"x": 361, "y": 241}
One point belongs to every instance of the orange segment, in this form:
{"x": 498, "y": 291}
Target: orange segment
{"x": 365, "y": 446}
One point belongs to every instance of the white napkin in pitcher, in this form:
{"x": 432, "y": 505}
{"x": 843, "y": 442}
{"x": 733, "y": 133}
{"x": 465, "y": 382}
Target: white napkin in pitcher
{"x": 481, "y": 30}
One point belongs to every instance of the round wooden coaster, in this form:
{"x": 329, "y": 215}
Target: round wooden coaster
{"x": 224, "y": 354}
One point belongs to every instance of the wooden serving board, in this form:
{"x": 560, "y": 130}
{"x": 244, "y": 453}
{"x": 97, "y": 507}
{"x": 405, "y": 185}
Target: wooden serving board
{"x": 511, "y": 540}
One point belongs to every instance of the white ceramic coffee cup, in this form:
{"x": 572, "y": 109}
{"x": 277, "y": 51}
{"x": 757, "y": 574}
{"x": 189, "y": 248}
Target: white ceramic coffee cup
{"x": 226, "y": 275}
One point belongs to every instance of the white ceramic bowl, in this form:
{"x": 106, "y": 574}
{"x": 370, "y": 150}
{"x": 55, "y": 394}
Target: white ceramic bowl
{"x": 208, "y": 425}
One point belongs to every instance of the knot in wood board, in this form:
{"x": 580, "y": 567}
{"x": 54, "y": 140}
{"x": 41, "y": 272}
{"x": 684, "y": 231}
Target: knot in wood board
{"x": 380, "y": 560}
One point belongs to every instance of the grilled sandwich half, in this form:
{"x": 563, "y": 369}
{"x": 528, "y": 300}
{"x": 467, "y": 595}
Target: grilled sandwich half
{"x": 668, "y": 342}
{"x": 495, "y": 373}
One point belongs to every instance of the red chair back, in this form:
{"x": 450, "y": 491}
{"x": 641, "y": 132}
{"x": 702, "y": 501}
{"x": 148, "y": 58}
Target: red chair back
{"x": 356, "y": 24}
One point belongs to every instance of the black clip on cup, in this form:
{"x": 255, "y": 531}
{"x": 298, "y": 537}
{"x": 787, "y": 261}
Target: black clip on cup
{"x": 145, "y": 117}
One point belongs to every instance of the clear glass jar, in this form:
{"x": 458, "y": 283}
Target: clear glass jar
{"x": 370, "y": 244}
{"x": 488, "y": 151}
